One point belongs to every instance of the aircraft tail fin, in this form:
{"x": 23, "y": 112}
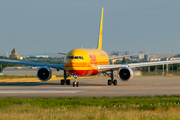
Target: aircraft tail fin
{"x": 100, "y": 32}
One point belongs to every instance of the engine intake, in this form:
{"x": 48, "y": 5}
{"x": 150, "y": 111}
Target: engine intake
{"x": 44, "y": 73}
{"x": 125, "y": 74}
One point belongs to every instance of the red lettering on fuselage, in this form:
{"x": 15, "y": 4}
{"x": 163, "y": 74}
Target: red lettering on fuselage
{"x": 93, "y": 58}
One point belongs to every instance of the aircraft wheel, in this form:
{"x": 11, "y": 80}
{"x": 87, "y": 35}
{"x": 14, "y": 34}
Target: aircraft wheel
{"x": 68, "y": 82}
{"x": 62, "y": 82}
{"x": 115, "y": 82}
{"x": 73, "y": 84}
{"x": 76, "y": 84}
{"x": 109, "y": 82}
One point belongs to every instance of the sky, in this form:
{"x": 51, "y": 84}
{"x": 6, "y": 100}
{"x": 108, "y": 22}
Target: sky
{"x": 44, "y": 26}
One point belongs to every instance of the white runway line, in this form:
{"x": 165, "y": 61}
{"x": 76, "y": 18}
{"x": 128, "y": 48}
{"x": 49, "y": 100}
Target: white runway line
{"x": 33, "y": 92}
{"x": 44, "y": 90}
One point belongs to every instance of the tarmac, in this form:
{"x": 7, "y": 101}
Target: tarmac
{"x": 97, "y": 87}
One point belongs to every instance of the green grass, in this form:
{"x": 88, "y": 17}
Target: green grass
{"x": 146, "y": 107}
{"x": 124, "y": 103}
{"x": 26, "y": 112}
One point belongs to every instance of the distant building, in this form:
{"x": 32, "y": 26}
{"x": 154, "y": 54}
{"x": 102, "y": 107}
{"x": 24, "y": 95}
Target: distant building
{"x": 147, "y": 56}
{"x": 177, "y": 58}
{"x": 134, "y": 59}
{"x": 117, "y": 53}
{"x": 126, "y": 53}
{"x": 43, "y": 56}
{"x": 7, "y": 55}
{"x": 14, "y": 54}
{"x": 142, "y": 54}
{"x": 21, "y": 58}
{"x": 154, "y": 59}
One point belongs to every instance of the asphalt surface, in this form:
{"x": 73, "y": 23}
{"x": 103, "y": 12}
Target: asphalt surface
{"x": 138, "y": 86}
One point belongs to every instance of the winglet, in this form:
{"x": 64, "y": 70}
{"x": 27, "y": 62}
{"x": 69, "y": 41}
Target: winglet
{"x": 100, "y": 32}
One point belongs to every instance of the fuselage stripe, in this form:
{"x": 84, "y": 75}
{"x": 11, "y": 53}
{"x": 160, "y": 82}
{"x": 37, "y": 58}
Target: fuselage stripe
{"x": 85, "y": 64}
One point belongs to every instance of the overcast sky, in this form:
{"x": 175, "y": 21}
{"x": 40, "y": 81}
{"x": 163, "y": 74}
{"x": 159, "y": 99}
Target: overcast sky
{"x": 36, "y": 26}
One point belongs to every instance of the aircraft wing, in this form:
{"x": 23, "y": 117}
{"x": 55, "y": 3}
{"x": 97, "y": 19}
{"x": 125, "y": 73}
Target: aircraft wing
{"x": 59, "y": 66}
{"x": 116, "y": 57}
{"x": 134, "y": 65}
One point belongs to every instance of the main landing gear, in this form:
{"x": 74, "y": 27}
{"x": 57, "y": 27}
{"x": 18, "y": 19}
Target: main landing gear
{"x": 65, "y": 80}
{"x": 75, "y": 83}
{"x": 111, "y": 81}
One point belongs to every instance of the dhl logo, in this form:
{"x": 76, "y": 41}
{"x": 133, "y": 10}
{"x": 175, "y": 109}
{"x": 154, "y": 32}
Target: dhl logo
{"x": 93, "y": 58}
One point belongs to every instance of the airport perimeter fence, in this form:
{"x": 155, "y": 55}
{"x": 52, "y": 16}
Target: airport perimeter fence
{"x": 161, "y": 72}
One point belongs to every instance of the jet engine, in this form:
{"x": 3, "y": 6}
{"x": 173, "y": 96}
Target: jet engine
{"x": 44, "y": 73}
{"x": 125, "y": 74}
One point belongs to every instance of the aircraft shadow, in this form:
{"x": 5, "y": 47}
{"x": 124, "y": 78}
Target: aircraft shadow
{"x": 28, "y": 83}
{"x": 49, "y": 84}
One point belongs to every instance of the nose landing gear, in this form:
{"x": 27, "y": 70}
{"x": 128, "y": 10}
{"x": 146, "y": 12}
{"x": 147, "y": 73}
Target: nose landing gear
{"x": 75, "y": 83}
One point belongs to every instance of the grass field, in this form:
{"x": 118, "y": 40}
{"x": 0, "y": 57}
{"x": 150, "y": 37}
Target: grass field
{"x": 116, "y": 108}
{"x": 126, "y": 108}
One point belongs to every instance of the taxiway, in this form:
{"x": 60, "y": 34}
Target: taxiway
{"x": 138, "y": 86}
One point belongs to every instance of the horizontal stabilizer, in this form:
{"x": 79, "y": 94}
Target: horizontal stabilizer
{"x": 62, "y": 53}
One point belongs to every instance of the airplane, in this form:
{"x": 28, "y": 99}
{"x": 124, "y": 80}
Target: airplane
{"x": 86, "y": 62}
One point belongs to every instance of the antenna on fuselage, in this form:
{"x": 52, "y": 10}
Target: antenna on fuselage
{"x": 100, "y": 32}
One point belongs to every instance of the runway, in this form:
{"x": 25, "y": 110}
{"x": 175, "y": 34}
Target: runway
{"x": 138, "y": 86}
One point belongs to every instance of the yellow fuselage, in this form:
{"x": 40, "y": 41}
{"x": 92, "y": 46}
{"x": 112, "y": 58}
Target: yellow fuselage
{"x": 84, "y": 61}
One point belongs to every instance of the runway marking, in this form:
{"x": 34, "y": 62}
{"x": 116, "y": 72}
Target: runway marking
{"x": 33, "y": 92}
{"x": 44, "y": 90}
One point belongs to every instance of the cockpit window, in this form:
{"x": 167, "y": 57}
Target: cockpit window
{"x": 74, "y": 57}
{"x": 80, "y": 57}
